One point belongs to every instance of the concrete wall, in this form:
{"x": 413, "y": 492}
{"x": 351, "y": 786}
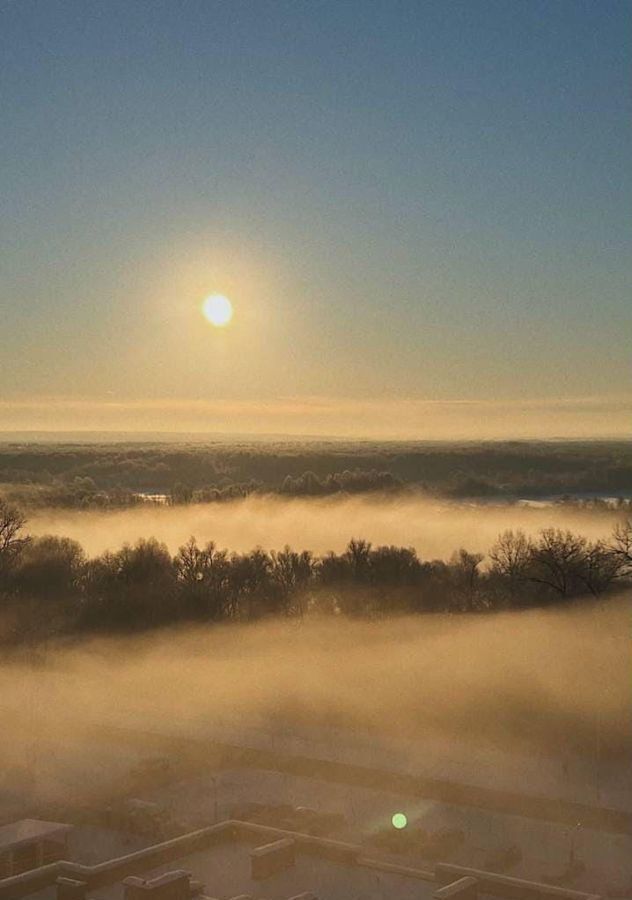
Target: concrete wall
{"x": 463, "y": 889}
{"x": 170, "y": 886}
{"x": 506, "y": 886}
{"x": 270, "y": 859}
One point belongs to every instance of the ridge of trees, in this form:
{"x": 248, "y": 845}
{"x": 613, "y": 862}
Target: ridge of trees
{"x": 48, "y": 586}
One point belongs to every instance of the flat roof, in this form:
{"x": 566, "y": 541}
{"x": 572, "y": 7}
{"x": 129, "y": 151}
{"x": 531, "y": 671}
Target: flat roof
{"x": 219, "y": 856}
{"x": 26, "y": 830}
{"x": 224, "y": 869}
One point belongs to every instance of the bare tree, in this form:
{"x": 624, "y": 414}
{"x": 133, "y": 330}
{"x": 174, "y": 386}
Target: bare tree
{"x": 11, "y": 524}
{"x": 511, "y": 555}
{"x": 599, "y": 569}
{"x": 291, "y": 573}
{"x": 561, "y": 561}
{"x": 556, "y": 560}
{"x": 569, "y": 564}
{"x": 358, "y": 553}
{"x": 621, "y": 548}
{"x": 511, "y": 558}
{"x": 202, "y": 575}
{"x": 466, "y": 576}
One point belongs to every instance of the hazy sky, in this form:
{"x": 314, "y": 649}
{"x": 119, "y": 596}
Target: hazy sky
{"x": 420, "y": 211}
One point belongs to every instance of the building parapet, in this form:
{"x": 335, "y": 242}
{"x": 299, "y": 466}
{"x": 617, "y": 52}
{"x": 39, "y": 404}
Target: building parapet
{"x": 507, "y": 886}
{"x": 120, "y": 868}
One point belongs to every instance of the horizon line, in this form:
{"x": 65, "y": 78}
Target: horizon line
{"x": 140, "y": 436}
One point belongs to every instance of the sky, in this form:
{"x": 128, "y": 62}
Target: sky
{"x": 419, "y": 211}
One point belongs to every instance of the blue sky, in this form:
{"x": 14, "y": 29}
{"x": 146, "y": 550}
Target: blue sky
{"x": 420, "y": 202}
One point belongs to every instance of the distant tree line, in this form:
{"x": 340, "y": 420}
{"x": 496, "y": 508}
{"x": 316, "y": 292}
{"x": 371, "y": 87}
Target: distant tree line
{"x": 48, "y": 586}
{"x": 117, "y": 474}
{"x": 82, "y": 493}
{"x": 355, "y": 481}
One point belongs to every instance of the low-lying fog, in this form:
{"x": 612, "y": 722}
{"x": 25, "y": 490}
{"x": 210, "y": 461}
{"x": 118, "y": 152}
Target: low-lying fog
{"x": 554, "y": 682}
{"x": 435, "y": 528}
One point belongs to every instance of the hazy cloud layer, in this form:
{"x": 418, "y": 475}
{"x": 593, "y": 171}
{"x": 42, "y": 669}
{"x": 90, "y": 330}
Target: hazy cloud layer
{"x": 392, "y": 418}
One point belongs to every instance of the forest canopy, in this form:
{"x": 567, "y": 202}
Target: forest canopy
{"x": 111, "y": 475}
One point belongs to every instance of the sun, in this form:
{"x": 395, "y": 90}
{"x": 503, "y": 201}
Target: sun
{"x": 218, "y": 310}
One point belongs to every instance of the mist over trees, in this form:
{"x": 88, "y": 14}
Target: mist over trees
{"x": 117, "y": 475}
{"x": 50, "y": 588}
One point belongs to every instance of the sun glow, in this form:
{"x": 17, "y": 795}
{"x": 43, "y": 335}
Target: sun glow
{"x": 218, "y": 310}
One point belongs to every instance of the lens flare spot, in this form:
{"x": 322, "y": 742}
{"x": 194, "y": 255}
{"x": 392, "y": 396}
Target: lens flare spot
{"x": 399, "y": 821}
{"x": 218, "y": 310}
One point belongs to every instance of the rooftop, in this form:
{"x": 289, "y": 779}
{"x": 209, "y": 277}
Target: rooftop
{"x": 27, "y": 830}
{"x": 221, "y": 858}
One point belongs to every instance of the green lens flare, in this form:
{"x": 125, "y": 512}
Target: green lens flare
{"x": 399, "y": 821}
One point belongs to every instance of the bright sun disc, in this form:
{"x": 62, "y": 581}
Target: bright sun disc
{"x": 218, "y": 310}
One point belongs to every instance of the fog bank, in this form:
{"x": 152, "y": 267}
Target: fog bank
{"x": 554, "y": 682}
{"x": 433, "y": 527}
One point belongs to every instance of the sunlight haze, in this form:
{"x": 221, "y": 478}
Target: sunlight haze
{"x": 422, "y": 207}
{"x": 315, "y": 458}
